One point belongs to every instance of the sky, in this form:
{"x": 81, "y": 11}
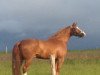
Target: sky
{"x": 21, "y": 19}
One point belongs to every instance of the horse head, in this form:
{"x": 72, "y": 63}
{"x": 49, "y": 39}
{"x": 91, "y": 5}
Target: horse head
{"x": 76, "y": 31}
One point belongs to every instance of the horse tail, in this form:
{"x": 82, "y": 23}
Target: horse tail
{"x": 16, "y": 60}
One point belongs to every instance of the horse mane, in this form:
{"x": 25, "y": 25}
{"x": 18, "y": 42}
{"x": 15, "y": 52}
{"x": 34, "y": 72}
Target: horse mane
{"x": 60, "y": 33}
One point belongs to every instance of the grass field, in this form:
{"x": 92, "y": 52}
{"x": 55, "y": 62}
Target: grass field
{"x": 85, "y": 62}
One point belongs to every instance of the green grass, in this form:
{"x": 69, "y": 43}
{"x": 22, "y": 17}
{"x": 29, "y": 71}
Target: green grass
{"x": 81, "y": 67}
{"x": 71, "y": 66}
{"x": 5, "y": 68}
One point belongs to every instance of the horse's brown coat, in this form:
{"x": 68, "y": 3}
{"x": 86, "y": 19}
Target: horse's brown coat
{"x": 55, "y": 45}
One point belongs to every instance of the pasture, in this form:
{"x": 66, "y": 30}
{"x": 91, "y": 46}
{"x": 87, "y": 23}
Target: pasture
{"x": 84, "y": 62}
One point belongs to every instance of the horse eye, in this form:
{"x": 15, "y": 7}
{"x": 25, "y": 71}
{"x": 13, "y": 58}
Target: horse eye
{"x": 73, "y": 29}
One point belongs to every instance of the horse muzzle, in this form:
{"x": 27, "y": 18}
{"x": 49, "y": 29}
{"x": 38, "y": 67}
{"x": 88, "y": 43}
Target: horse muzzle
{"x": 82, "y": 34}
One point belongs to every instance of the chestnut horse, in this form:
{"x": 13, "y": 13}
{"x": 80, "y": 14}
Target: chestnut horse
{"x": 54, "y": 48}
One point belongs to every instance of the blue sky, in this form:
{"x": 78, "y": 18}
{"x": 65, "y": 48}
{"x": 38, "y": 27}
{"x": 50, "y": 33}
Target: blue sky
{"x": 20, "y": 19}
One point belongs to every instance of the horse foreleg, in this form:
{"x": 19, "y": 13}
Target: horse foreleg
{"x": 53, "y": 64}
{"x": 58, "y": 65}
{"x": 26, "y": 65}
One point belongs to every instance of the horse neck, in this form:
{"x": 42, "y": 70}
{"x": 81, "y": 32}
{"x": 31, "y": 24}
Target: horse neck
{"x": 62, "y": 37}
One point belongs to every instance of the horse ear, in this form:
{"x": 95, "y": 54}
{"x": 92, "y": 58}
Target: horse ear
{"x": 74, "y": 24}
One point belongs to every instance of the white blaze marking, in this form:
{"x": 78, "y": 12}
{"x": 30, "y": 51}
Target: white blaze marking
{"x": 81, "y": 31}
{"x": 53, "y": 64}
{"x": 25, "y": 73}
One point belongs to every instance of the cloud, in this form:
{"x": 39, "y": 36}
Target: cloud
{"x": 11, "y": 26}
{"x": 32, "y": 15}
{"x": 41, "y": 18}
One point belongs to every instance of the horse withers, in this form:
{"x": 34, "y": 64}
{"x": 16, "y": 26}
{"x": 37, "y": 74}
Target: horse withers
{"x": 54, "y": 48}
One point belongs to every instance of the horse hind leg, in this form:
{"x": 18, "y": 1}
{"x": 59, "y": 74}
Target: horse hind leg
{"x": 26, "y": 66}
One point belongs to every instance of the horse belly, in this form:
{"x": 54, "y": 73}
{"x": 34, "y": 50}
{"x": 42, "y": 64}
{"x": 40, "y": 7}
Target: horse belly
{"x": 43, "y": 55}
